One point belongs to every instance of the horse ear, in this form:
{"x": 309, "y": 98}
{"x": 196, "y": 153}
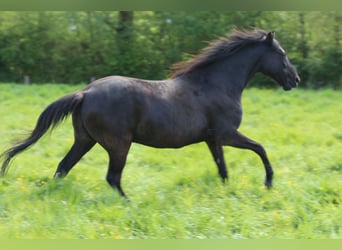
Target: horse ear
{"x": 270, "y": 36}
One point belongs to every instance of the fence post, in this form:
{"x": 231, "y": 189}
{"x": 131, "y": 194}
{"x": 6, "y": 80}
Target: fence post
{"x": 27, "y": 80}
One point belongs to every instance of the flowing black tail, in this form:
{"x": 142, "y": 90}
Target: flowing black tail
{"x": 55, "y": 113}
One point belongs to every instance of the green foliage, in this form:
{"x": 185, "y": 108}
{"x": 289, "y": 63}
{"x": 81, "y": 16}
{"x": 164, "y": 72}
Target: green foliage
{"x": 75, "y": 47}
{"x": 178, "y": 193}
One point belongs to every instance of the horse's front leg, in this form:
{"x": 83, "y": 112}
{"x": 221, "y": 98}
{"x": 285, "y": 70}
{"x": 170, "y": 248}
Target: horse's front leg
{"x": 238, "y": 140}
{"x": 217, "y": 153}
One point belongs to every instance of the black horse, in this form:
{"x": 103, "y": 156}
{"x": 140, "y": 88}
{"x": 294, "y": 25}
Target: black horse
{"x": 200, "y": 102}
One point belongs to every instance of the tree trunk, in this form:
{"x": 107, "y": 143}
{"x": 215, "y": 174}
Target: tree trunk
{"x": 125, "y": 22}
{"x": 124, "y": 41}
{"x": 124, "y": 30}
{"x": 303, "y": 49}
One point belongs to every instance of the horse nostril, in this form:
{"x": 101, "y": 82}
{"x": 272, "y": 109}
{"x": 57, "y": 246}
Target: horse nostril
{"x": 297, "y": 79}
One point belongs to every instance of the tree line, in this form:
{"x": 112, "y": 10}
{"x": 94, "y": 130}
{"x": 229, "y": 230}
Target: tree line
{"x": 77, "y": 47}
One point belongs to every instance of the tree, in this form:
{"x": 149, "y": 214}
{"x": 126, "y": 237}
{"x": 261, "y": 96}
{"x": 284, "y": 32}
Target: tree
{"x": 73, "y": 47}
{"x": 303, "y": 49}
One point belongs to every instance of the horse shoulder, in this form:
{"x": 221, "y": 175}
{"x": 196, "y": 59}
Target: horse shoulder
{"x": 225, "y": 115}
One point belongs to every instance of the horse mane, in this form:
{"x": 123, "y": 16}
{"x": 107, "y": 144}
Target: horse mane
{"x": 218, "y": 49}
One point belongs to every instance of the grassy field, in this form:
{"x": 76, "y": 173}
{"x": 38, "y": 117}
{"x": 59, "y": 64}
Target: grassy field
{"x": 178, "y": 193}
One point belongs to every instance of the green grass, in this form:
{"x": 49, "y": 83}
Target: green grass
{"x": 178, "y": 193}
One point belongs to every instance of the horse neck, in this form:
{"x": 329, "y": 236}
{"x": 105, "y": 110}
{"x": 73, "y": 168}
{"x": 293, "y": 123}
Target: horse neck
{"x": 232, "y": 74}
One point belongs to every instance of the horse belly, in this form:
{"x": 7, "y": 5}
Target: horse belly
{"x": 168, "y": 133}
{"x": 166, "y": 140}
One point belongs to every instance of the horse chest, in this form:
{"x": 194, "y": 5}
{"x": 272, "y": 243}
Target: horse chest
{"x": 226, "y": 119}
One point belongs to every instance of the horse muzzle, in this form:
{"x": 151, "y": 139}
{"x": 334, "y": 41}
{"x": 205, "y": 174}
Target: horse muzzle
{"x": 291, "y": 84}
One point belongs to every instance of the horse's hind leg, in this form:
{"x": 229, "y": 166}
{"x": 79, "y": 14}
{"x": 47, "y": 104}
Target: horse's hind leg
{"x": 217, "y": 153}
{"x": 82, "y": 144}
{"x": 78, "y": 149}
{"x": 117, "y": 149}
{"x": 240, "y": 141}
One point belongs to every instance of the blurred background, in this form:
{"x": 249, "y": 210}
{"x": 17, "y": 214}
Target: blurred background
{"x": 77, "y": 47}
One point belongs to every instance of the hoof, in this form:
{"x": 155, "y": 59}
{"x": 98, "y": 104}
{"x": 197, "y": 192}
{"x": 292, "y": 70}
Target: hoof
{"x": 268, "y": 184}
{"x": 58, "y": 175}
{"x": 225, "y": 180}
